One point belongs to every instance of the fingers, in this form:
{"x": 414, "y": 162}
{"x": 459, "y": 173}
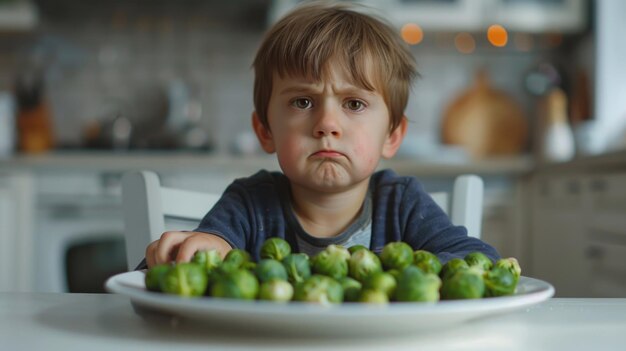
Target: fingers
{"x": 162, "y": 250}
{"x": 201, "y": 241}
{"x": 181, "y": 246}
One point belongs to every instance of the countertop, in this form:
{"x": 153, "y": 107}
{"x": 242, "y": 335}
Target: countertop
{"x": 49, "y": 321}
{"x": 167, "y": 161}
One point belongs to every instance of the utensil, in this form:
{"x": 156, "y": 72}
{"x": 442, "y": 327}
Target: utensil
{"x": 485, "y": 121}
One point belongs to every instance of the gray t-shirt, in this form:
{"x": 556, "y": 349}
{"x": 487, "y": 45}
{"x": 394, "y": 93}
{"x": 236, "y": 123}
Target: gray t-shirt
{"x": 358, "y": 233}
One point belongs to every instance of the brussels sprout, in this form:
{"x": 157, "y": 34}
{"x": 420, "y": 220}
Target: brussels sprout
{"x": 478, "y": 259}
{"x": 237, "y": 257}
{"x": 355, "y": 248}
{"x": 268, "y": 269}
{"x": 427, "y": 261}
{"x": 395, "y": 273}
{"x": 415, "y": 285}
{"x": 375, "y": 297}
{"x": 381, "y": 281}
{"x": 332, "y": 262}
{"x": 351, "y": 289}
{"x": 512, "y": 265}
{"x": 362, "y": 264}
{"x": 236, "y": 284}
{"x": 499, "y": 281}
{"x": 250, "y": 265}
{"x": 276, "y": 290}
{"x": 297, "y": 267}
{"x": 155, "y": 275}
{"x": 396, "y": 255}
{"x": 185, "y": 279}
{"x": 452, "y": 267}
{"x": 319, "y": 289}
{"x": 208, "y": 259}
{"x": 275, "y": 248}
{"x": 463, "y": 284}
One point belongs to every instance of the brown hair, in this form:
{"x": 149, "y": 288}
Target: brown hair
{"x": 304, "y": 41}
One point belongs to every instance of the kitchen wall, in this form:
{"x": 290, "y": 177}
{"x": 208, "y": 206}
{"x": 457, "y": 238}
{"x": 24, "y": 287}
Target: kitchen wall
{"x": 104, "y": 57}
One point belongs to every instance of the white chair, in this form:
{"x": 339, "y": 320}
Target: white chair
{"x": 150, "y": 209}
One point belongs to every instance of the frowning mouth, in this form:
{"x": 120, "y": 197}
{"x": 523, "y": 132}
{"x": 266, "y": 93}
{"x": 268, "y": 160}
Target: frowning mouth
{"x": 327, "y": 154}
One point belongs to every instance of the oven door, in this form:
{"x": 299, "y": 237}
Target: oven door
{"x": 79, "y": 236}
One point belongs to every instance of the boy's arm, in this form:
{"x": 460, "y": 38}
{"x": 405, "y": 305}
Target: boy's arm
{"x": 429, "y": 228}
{"x": 223, "y": 228}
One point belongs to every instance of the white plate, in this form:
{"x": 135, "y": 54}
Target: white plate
{"x": 339, "y": 320}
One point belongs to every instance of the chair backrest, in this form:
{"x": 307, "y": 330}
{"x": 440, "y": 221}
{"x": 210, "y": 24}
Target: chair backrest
{"x": 150, "y": 209}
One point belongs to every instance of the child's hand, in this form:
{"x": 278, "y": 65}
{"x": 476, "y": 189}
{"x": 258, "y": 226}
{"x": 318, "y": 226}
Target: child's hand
{"x": 181, "y": 246}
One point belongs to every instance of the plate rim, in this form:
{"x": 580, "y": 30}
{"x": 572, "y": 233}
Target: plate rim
{"x": 198, "y": 306}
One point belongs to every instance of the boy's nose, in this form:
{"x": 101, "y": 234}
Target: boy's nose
{"x": 327, "y": 124}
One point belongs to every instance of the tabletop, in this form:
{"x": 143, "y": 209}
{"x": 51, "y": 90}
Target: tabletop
{"x": 51, "y": 321}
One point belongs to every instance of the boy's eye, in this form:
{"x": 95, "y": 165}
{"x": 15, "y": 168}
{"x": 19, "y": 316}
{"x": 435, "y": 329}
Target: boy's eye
{"x": 302, "y": 103}
{"x": 355, "y": 105}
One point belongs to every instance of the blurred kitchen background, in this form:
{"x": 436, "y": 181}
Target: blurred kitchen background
{"x": 529, "y": 94}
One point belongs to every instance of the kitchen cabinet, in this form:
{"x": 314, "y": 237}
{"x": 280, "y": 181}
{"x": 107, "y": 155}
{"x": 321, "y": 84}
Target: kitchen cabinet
{"x": 535, "y": 16}
{"x": 578, "y": 228}
{"x": 17, "y": 15}
{"x": 16, "y": 231}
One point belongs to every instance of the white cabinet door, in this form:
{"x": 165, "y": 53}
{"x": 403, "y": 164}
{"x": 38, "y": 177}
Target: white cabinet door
{"x": 558, "y": 240}
{"x": 16, "y": 232}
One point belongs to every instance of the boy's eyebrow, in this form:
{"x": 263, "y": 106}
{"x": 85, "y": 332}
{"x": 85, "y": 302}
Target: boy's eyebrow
{"x": 309, "y": 88}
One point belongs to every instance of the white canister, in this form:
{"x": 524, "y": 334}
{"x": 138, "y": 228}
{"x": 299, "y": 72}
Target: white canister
{"x": 7, "y": 124}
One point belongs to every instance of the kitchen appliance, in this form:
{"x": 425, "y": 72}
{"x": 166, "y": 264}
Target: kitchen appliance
{"x": 79, "y": 231}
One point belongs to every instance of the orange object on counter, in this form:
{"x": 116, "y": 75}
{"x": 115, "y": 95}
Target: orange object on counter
{"x": 34, "y": 128}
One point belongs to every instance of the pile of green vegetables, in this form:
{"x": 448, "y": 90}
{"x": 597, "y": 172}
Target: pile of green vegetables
{"x": 336, "y": 275}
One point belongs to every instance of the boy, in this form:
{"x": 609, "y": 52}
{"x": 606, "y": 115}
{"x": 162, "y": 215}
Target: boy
{"x": 331, "y": 86}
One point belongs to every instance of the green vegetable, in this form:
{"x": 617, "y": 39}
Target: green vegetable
{"x": 237, "y": 257}
{"x": 499, "y": 281}
{"x": 381, "y": 281}
{"x": 463, "y": 284}
{"x": 375, "y": 297}
{"x": 351, "y": 289}
{"x": 275, "y": 248}
{"x": 355, "y": 248}
{"x": 362, "y": 264}
{"x": 452, "y": 267}
{"x": 276, "y": 290}
{"x": 511, "y": 265}
{"x": 268, "y": 269}
{"x": 185, "y": 279}
{"x": 208, "y": 259}
{"x": 415, "y": 285}
{"x": 427, "y": 262}
{"x": 478, "y": 259}
{"x": 236, "y": 284}
{"x": 319, "y": 289}
{"x": 297, "y": 266}
{"x": 332, "y": 262}
{"x": 155, "y": 275}
{"x": 396, "y": 255}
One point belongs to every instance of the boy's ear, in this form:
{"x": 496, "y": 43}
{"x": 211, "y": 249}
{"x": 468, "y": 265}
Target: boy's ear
{"x": 263, "y": 134}
{"x": 394, "y": 139}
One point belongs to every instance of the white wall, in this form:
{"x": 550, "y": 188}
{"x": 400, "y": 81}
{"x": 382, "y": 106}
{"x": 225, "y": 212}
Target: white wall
{"x": 610, "y": 105}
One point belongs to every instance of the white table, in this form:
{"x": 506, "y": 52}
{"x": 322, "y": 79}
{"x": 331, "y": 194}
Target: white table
{"x": 91, "y": 322}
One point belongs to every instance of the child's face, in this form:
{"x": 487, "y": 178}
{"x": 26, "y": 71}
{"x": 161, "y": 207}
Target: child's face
{"x": 329, "y": 135}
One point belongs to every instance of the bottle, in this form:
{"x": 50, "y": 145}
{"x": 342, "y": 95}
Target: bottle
{"x": 34, "y": 122}
{"x": 558, "y": 139}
